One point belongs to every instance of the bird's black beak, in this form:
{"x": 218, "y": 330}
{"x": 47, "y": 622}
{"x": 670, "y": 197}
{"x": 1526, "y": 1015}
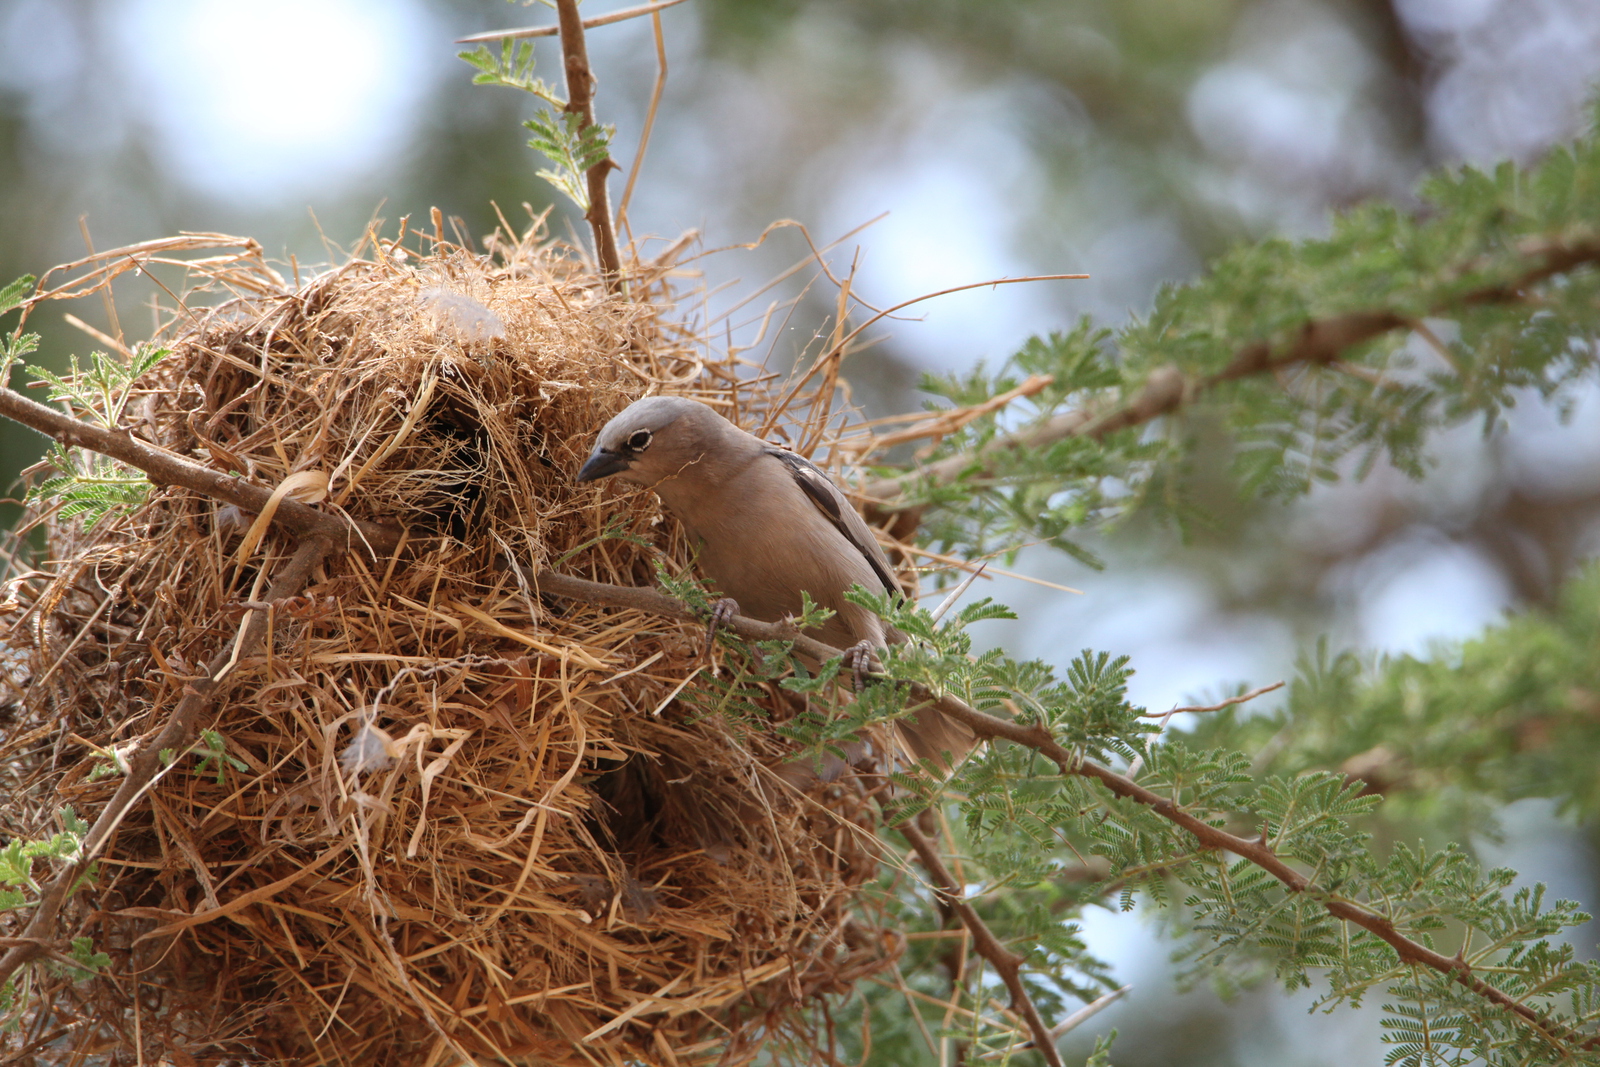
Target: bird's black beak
{"x": 602, "y": 464}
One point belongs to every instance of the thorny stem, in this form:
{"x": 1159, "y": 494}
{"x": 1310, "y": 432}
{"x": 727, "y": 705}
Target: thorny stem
{"x": 1037, "y": 737}
{"x": 588, "y": 24}
{"x": 580, "y": 101}
{"x": 1006, "y": 963}
{"x": 179, "y": 730}
{"x": 1319, "y": 342}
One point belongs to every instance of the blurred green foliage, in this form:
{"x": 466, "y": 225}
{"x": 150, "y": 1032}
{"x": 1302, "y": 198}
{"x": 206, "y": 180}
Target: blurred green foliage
{"x": 1488, "y": 291}
{"x": 1512, "y": 714}
{"x": 1491, "y": 292}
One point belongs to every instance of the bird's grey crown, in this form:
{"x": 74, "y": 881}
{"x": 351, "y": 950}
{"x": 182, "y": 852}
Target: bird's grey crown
{"x": 651, "y": 415}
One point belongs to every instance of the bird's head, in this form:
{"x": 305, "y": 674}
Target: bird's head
{"x": 654, "y": 438}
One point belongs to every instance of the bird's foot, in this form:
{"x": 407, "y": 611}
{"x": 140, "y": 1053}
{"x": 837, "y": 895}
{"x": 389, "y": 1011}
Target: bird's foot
{"x": 721, "y": 611}
{"x": 862, "y": 660}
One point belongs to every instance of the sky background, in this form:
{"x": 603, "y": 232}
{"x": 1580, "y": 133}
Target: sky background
{"x": 1128, "y": 140}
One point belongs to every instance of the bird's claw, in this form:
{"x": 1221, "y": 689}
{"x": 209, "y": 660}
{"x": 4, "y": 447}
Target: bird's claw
{"x": 721, "y": 612}
{"x": 862, "y": 660}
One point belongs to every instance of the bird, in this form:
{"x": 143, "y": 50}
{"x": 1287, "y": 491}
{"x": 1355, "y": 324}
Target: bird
{"x": 771, "y": 524}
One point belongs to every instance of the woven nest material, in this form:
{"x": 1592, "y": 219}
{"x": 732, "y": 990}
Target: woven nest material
{"x": 449, "y": 818}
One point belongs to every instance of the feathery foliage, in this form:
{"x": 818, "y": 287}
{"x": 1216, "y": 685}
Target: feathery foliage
{"x": 1315, "y": 359}
{"x": 18, "y": 889}
{"x": 1508, "y": 715}
{"x": 1488, "y": 291}
{"x": 16, "y": 344}
{"x": 93, "y": 485}
{"x": 571, "y": 145}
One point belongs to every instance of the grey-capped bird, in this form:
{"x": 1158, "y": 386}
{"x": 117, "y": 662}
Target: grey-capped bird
{"x": 771, "y": 524}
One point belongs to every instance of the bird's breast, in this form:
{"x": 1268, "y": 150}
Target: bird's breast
{"x": 763, "y": 543}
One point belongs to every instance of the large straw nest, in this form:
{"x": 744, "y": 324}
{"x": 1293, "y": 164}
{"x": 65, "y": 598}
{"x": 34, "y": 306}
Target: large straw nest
{"x": 573, "y": 857}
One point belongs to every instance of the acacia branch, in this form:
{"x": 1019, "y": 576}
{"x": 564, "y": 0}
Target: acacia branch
{"x": 1039, "y": 738}
{"x": 1319, "y": 342}
{"x": 1005, "y": 962}
{"x": 175, "y": 736}
{"x": 580, "y": 101}
{"x": 167, "y": 468}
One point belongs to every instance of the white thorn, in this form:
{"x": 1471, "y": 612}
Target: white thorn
{"x": 955, "y": 594}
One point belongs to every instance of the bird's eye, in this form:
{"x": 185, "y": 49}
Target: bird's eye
{"x": 639, "y": 440}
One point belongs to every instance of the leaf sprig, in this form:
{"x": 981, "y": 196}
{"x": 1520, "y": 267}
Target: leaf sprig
{"x": 95, "y": 486}
{"x": 573, "y": 145}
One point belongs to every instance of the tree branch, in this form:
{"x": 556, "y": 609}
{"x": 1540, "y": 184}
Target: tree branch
{"x": 175, "y": 735}
{"x": 166, "y": 468}
{"x": 1037, "y": 737}
{"x": 1317, "y": 342}
{"x": 580, "y": 101}
{"x": 1005, "y": 962}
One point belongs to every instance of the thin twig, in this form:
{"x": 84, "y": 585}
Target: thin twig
{"x": 588, "y": 24}
{"x": 175, "y": 735}
{"x": 939, "y": 424}
{"x": 838, "y": 349}
{"x": 142, "y": 255}
{"x": 580, "y": 101}
{"x": 649, "y": 115}
{"x": 1039, "y": 738}
{"x": 1083, "y": 1014}
{"x": 1421, "y": 328}
{"x": 955, "y": 594}
{"x": 106, "y": 297}
{"x": 104, "y": 338}
{"x": 1007, "y": 963}
{"x": 1230, "y": 702}
{"x": 1162, "y": 391}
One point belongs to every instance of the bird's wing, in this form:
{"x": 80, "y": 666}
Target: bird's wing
{"x": 821, "y": 491}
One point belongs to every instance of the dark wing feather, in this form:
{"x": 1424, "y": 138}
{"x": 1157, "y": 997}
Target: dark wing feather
{"x": 826, "y": 496}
